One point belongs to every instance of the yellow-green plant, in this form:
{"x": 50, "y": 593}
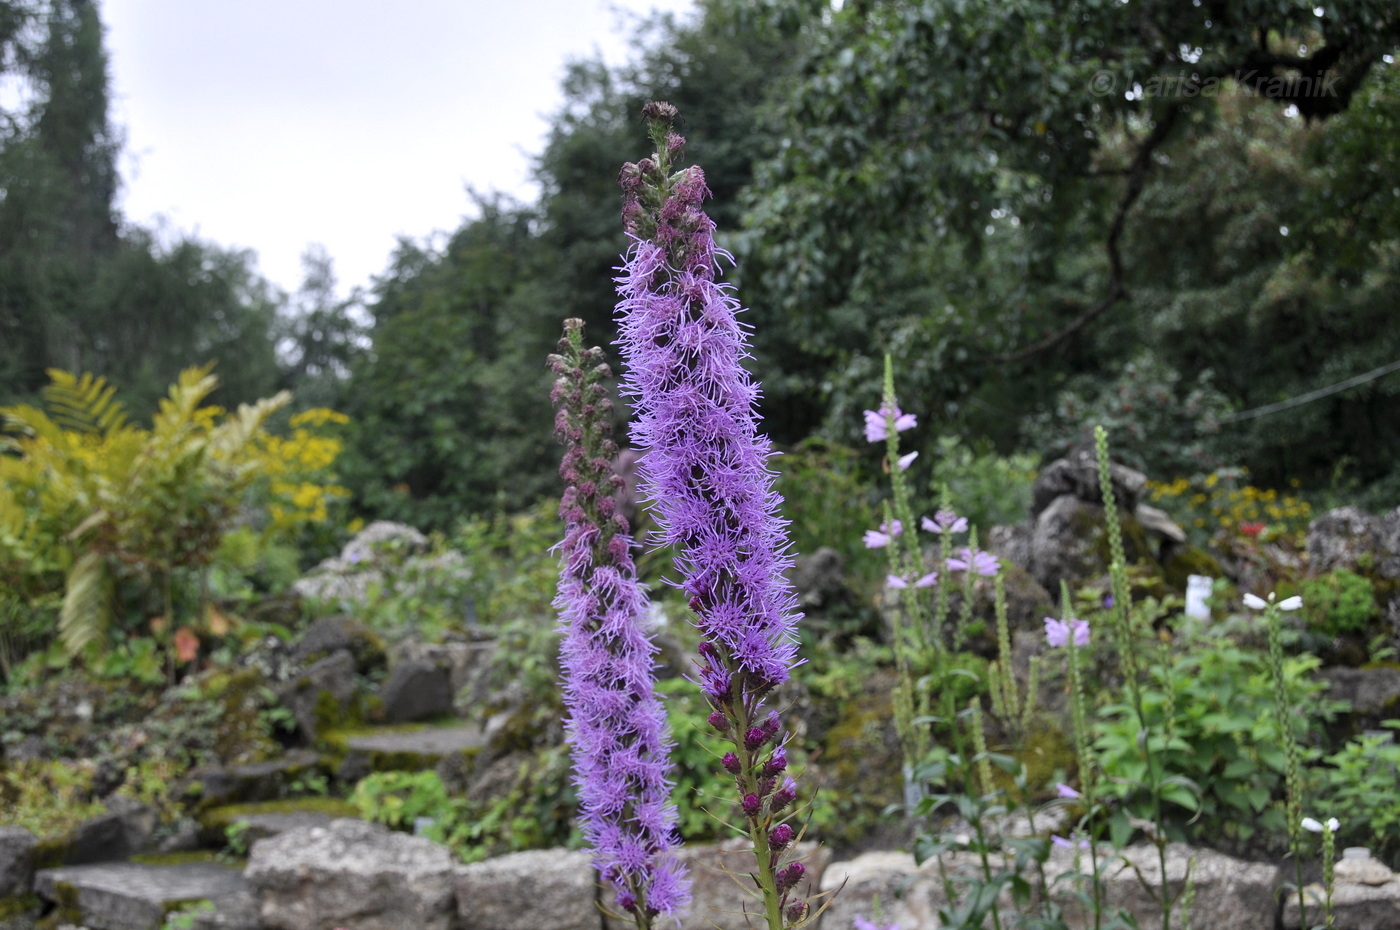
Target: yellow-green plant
{"x": 117, "y": 510}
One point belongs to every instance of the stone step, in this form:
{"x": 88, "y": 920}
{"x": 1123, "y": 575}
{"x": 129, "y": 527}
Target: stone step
{"x": 409, "y": 749}
{"x": 133, "y": 896}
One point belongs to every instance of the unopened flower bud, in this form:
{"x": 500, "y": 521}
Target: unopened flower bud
{"x": 755, "y": 738}
{"x": 780, "y": 837}
{"x": 627, "y": 901}
{"x": 731, "y": 763}
{"x": 752, "y": 805}
{"x": 796, "y": 911}
{"x": 720, "y": 721}
{"x": 776, "y": 763}
{"x": 784, "y": 796}
{"x": 789, "y": 876}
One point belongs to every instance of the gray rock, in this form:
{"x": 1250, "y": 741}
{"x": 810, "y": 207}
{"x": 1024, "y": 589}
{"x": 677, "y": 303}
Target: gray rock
{"x": 719, "y": 875}
{"x": 819, "y": 578}
{"x": 432, "y": 743}
{"x": 258, "y": 781}
{"x": 139, "y": 820}
{"x": 334, "y": 675}
{"x": 100, "y": 839}
{"x": 330, "y": 635}
{"x": 1369, "y": 691}
{"x": 468, "y": 664}
{"x": 909, "y": 896}
{"x": 265, "y": 826}
{"x": 128, "y": 896}
{"x": 1077, "y": 475}
{"x": 1355, "y": 906}
{"x": 552, "y": 888}
{"x": 1011, "y": 544}
{"x": 355, "y": 875}
{"x": 1339, "y": 539}
{"x": 16, "y": 860}
{"x": 416, "y": 690}
{"x": 1228, "y": 892}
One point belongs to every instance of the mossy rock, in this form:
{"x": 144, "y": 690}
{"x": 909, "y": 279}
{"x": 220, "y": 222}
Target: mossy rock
{"x": 16, "y": 907}
{"x": 215, "y": 822}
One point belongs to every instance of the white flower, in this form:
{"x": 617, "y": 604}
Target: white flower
{"x": 1254, "y": 602}
{"x": 1312, "y": 826}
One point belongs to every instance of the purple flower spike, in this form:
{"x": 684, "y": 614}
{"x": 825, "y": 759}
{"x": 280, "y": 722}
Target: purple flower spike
{"x": 616, "y": 724}
{"x": 705, "y": 465}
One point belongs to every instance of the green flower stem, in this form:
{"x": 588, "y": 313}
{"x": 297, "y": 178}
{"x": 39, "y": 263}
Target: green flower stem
{"x": 1283, "y": 715}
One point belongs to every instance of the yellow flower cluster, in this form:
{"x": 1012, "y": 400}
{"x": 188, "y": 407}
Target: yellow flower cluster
{"x": 294, "y": 468}
{"x": 1224, "y": 503}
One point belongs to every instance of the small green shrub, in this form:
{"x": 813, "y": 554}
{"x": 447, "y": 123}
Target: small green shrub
{"x": 989, "y": 489}
{"x": 1340, "y": 601}
{"x": 1357, "y": 786}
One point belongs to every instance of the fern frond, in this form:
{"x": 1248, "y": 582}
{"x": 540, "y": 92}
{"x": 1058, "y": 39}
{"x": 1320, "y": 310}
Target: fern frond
{"x": 85, "y": 405}
{"x": 242, "y": 425}
{"x": 178, "y": 407}
{"x": 29, "y": 422}
{"x": 87, "y": 604}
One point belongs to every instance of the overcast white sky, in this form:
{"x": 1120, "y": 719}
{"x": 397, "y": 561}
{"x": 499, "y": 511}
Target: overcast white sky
{"x": 273, "y": 124}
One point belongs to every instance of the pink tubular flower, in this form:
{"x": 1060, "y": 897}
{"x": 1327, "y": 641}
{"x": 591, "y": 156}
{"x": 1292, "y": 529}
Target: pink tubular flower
{"x": 616, "y": 726}
{"x": 705, "y": 466}
{"x": 982, "y": 563}
{"x": 906, "y": 460}
{"x": 945, "y": 521}
{"x": 1066, "y": 792}
{"x": 878, "y": 539}
{"x": 877, "y": 423}
{"x": 1058, "y": 632}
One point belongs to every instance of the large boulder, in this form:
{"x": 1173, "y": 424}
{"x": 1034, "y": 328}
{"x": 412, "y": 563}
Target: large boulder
{"x": 417, "y": 689}
{"x": 1077, "y": 475}
{"x": 322, "y": 695}
{"x": 355, "y": 875}
{"x": 1351, "y": 538}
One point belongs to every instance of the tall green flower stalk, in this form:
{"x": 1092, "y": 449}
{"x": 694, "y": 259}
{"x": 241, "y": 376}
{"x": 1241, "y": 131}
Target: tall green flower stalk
{"x": 1283, "y": 719}
{"x": 1079, "y": 714}
{"x": 1127, "y": 641}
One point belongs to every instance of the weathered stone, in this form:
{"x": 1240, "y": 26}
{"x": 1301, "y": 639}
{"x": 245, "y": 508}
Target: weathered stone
{"x": 100, "y": 839}
{"x": 1011, "y": 544}
{"x": 261, "y": 781}
{"x": 1362, "y": 872}
{"x": 722, "y": 889}
{"x": 1354, "y": 906}
{"x": 1228, "y": 892}
{"x": 16, "y": 860}
{"x": 330, "y": 635}
{"x": 908, "y": 896}
{"x": 1369, "y": 691}
{"x": 325, "y": 687}
{"x": 552, "y": 888}
{"x": 1069, "y": 542}
{"x": 355, "y": 875}
{"x": 128, "y": 896}
{"x": 138, "y": 820}
{"x": 423, "y": 748}
{"x": 1077, "y": 475}
{"x": 1340, "y": 538}
{"x": 818, "y": 578}
{"x": 468, "y": 663}
{"x": 416, "y": 690}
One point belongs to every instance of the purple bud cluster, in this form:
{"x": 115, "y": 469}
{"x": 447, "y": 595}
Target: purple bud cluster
{"x": 616, "y": 725}
{"x": 705, "y": 468}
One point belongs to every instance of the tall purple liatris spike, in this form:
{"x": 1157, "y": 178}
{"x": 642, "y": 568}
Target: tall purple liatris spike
{"x": 706, "y": 470}
{"x": 616, "y": 726}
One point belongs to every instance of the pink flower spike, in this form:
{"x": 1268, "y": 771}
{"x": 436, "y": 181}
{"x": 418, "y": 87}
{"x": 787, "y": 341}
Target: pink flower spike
{"x": 877, "y": 423}
{"x": 906, "y": 460}
{"x": 945, "y": 521}
{"x": 894, "y": 581}
{"x": 927, "y": 581}
{"x": 983, "y": 563}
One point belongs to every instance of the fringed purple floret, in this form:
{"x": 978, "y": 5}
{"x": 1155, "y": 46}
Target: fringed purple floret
{"x": 616, "y": 725}
{"x": 705, "y": 469}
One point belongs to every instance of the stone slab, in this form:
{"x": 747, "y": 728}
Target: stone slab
{"x": 429, "y": 741}
{"x": 132, "y": 896}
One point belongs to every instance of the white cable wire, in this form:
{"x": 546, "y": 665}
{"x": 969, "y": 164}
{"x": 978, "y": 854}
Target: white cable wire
{"x": 1313, "y": 395}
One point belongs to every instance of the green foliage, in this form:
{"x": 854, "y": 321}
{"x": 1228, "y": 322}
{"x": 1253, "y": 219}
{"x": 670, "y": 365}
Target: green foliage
{"x": 398, "y": 799}
{"x": 185, "y": 914}
{"x": 989, "y": 489}
{"x": 1340, "y": 601}
{"x": 125, "y": 521}
{"x": 512, "y": 572}
{"x": 826, "y": 501}
{"x": 47, "y": 798}
{"x": 1221, "y": 739}
{"x": 1357, "y": 786}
